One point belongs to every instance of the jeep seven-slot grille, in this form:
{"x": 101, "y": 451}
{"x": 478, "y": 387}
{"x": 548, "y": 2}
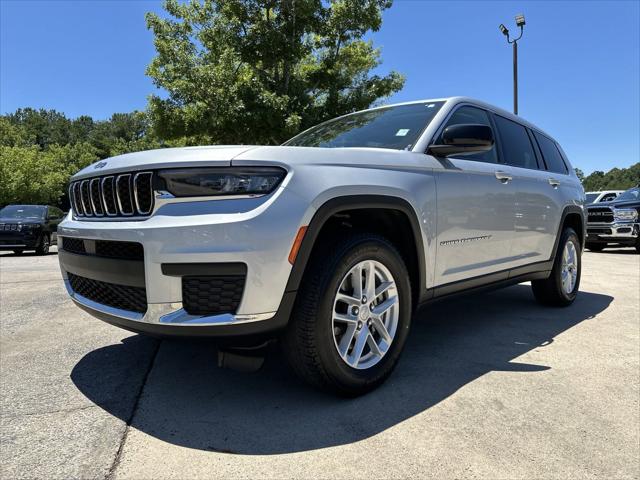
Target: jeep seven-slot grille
{"x": 599, "y": 215}
{"x": 124, "y": 195}
{"x": 212, "y": 295}
{"x": 133, "y": 299}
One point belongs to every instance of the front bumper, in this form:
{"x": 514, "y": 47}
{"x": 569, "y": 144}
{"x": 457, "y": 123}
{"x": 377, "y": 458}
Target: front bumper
{"x": 171, "y": 320}
{"x": 13, "y": 240}
{"x": 257, "y": 232}
{"x": 620, "y": 232}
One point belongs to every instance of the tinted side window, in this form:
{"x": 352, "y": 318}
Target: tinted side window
{"x": 476, "y": 116}
{"x": 516, "y": 145}
{"x": 551, "y": 154}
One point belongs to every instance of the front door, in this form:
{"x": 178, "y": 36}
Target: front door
{"x": 475, "y": 211}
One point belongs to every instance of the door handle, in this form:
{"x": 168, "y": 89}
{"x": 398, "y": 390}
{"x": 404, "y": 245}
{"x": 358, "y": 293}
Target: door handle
{"x": 554, "y": 183}
{"x": 503, "y": 176}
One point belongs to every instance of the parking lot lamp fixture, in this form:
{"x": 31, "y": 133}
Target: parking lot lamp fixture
{"x": 520, "y": 22}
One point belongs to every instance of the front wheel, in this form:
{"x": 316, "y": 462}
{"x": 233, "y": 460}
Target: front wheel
{"x": 352, "y": 316}
{"x": 561, "y": 288}
{"x": 43, "y": 248}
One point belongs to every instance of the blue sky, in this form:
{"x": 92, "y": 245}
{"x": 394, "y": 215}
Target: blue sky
{"x": 579, "y": 62}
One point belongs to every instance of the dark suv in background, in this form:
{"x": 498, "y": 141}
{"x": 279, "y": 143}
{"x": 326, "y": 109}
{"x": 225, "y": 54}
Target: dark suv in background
{"x": 615, "y": 223}
{"x": 29, "y": 227}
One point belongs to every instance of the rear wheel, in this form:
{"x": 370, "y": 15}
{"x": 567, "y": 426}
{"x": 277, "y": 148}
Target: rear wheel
{"x": 561, "y": 288}
{"x": 352, "y": 316}
{"x": 43, "y": 248}
{"x": 595, "y": 247}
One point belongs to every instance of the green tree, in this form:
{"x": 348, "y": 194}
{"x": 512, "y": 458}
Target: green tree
{"x": 32, "y": 175}
{"x": 13, "y": 135}
{"x": 579, "y": 174}
{"x": 614, "y": 179}
{"x": 258, "y": 71}
{"x": 43, "y": 127}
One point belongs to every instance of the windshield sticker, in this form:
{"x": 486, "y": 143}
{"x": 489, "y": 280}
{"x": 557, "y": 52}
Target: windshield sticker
{"x": 402, "y": 132}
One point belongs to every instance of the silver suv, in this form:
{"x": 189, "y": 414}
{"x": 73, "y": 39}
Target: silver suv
{"x": 330, "y": 241}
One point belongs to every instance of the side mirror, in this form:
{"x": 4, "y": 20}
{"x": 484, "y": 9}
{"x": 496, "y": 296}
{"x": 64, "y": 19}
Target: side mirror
{"x": 463, "y": 138}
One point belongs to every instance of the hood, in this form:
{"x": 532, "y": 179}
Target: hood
{"x": 616, "y": 204}
{"x": 624, "y": 204}
{"x": 352, "y": 157}
{"x": 218, "y": 155}
{"x": 239, "y": 155}
{"x": 19, "y": 221}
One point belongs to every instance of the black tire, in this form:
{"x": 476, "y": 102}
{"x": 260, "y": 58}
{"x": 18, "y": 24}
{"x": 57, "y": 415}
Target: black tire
{"x": 638, "y": 245}
{"x": 595, "y": 247}
{"x": 550, "y": 291}
{"x": 43, "y": 246}
{"x": 308, "y": 342}
{"x": 18, "y": 251}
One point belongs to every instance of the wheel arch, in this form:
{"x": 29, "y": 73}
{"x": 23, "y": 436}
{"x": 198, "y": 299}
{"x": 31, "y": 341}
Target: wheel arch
{"x": 347, "y": 203}
{"x": 572, "y": 216}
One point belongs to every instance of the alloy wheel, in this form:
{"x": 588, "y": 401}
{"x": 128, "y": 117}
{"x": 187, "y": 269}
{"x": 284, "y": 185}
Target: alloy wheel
{"x": 365, "y": 314}
{"x": 569, "y": 269}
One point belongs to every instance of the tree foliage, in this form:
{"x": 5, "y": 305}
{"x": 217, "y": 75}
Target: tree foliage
{"x": 614, "y": 179}
{"x": 259, "y": 71}
{"x": 41, "y": 149}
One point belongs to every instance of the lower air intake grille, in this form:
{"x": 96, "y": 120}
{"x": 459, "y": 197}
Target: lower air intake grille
{"x": 121, "y": 250}
{"x": 133, "y": 299}
{"x": 73, "y": 245}
{"x": 212, "y": 295}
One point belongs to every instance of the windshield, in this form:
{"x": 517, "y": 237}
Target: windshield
{"x": 591, "y": 197}
{"x": 629, "y": 195}
{"x": 23, "y": 211}
{"x": 396, "y": 128}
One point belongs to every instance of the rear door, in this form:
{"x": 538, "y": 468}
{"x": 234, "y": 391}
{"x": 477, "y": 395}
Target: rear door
{"x": 538, "y": 199}
{"x": 475, "y": 209}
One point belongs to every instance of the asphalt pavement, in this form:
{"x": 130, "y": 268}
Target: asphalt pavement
{"x": 490, "y": 386}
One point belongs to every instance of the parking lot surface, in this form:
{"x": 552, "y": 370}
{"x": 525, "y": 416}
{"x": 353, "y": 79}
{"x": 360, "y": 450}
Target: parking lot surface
{"x": 490, "y": 386}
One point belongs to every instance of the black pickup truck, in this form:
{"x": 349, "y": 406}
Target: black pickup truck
{"x": 615, "y": 223}
{"x": 29, "y": 227}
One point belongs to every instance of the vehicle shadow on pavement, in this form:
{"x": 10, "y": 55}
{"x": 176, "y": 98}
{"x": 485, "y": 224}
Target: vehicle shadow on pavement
{"x": 619, "y": 251}
{"x": 189, "y": 401}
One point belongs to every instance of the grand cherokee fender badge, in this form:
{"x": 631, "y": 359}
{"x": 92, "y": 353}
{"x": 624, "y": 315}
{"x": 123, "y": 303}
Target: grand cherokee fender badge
{"x": 100, "y": 165}
{"x": 458, "y": 241}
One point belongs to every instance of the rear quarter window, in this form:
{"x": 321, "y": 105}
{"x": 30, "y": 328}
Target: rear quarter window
{"x": 551, "y": 154}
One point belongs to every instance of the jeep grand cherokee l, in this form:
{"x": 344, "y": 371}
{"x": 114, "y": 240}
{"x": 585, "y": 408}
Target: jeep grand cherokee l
{"x": 330, "y": 241}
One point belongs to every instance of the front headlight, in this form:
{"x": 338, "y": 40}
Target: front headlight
{"x": 625, "y": 214}
{"x": 29, "y": 227}
{"x": 197, "y": 182}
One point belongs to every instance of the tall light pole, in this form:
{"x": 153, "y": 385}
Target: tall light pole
{"x": 520, "y": 23}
